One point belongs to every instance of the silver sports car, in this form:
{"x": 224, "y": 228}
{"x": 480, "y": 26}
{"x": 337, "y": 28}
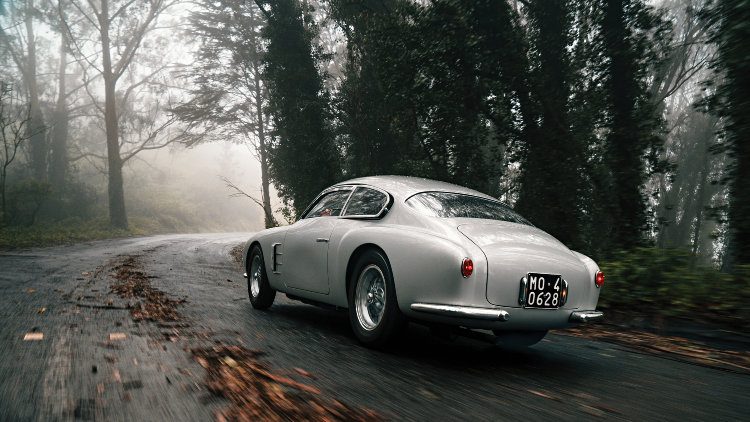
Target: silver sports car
{"x": 393, "y": 249}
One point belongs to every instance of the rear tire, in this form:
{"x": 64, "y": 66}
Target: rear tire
{"x": 518, "y": 339}
{"x": 373, "y": 307}
{"x": 260, "y": 291}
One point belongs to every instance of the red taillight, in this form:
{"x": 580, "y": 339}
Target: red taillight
{"x": 467, "y": 267}
{"x": 599, "y": 279}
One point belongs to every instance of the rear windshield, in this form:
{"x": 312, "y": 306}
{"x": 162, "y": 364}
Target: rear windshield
{"x": 456, "y": 205}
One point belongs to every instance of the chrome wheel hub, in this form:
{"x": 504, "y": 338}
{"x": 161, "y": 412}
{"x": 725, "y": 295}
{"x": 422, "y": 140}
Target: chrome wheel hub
{"x": 255, "y": 276}
{"x": 369, "y": 297}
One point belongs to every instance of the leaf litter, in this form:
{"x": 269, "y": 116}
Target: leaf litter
{"x": 153, "y": 305}
{"x": 257, "y": 393}
{"x": 669, "y": 346}
{"x": 236, "y": 254}
{"x": 254, "y": 390}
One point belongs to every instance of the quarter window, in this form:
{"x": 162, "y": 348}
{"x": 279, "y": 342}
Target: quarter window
{"x": 366, "y": 202}
{"x": 329, "y": 205}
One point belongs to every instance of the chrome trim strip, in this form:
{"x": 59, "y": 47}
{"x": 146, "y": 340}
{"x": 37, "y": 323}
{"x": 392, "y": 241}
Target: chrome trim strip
{"x": 275, "y": 254}
{"x": 461, "y": 311}
{"x": 586, "y": 316}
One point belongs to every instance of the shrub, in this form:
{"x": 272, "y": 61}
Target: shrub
{"x": 658, "y": 283}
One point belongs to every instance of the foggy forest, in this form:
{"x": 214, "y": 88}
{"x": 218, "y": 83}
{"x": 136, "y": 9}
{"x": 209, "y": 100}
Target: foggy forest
{"x": 612, "y": 125}
{"x": 625, "y": 119}
{"x": 619, "y": 127}
{"x": 618, "y": 116}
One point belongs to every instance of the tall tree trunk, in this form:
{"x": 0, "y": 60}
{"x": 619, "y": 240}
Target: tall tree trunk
{"x": 625, "y": 139}
{"x": 59, "y": 160}
{"x": 3, "y": 214}
{"x": 117, "y": 215}
{"x": 734, "y": 50}
{"x": 551, "y": 183}
{"x": 36, "y": 127}
{"x": 701, "y": 203}
{"x": 263, "y": 151}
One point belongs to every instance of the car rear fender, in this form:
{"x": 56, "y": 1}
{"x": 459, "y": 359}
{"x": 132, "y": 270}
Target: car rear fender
{"x": 425, "y": 267}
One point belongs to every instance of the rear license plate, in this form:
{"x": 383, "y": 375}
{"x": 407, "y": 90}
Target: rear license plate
{"x": 544, "y": 291}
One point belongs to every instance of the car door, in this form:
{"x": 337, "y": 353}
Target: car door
{"x": 306, "y": 242}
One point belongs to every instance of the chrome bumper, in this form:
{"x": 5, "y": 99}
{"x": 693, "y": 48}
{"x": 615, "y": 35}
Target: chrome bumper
{"x": 462, "y": 311}
{"x": 586, "y": 316}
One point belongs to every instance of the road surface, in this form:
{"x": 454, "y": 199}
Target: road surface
{"x": 145, "y": 370}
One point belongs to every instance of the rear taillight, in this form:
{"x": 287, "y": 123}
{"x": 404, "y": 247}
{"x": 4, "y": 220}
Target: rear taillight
{"x": 599, "y": 279}
{"x": 467, "y": 267}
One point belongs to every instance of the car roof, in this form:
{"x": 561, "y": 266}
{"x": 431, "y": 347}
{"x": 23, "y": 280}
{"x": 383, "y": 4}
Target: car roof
{"x": 405, "y": 186}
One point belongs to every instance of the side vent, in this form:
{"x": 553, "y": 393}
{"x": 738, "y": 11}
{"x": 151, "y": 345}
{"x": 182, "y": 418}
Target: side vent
{"x": 275, "y": 254}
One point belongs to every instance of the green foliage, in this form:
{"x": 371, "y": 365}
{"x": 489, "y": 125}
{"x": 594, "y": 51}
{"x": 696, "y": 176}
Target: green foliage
{"x": 25, "y": 200}
{"x": 552, "y": 193}
{"x": 304, "y": 158}
{"x": 457, "y": 91}
{"x": 657, "y": 283}
{"x": 631, "y": 32}
{"x": 429, "y": 88}
{"x": 61, "y": 233}
{"x": 731, "y": 101}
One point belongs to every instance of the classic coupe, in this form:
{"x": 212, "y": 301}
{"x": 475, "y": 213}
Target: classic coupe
{"x": 393, "y": 249}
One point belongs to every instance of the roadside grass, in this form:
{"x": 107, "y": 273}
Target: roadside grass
{"x": 71, "y": 231}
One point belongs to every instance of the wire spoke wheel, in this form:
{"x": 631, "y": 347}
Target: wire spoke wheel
{"x": 370, "y": 297}
{"x": 258, "y": 288}
{"x": 255, "y": 276}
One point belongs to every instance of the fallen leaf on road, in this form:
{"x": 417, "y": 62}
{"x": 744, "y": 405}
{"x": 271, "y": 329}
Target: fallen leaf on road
{"x": 33, "y": 336}
{"x": 100, "y": 388}
{"x": 117, "y": 336}
{"x": 41, "y": 310}
{"x": 428, "y": 394}
{"x": 592, "y": 411}
{"x": 116, "y": 375}
{"x": 304, "y": 373}
{"x": 540, "y": 394}
{"x": 30, "y": 290}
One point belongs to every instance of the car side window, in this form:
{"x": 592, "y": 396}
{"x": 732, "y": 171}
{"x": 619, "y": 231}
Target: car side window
{"x": 329, "y": 205}
{"x": 366, "y": 202}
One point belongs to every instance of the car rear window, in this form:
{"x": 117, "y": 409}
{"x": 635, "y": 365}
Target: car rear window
{"x": 456, "y": 205}
{"x": 366, "y": 202}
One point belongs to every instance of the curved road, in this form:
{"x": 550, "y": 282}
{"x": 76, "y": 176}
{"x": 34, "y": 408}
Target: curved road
{"x": 76, "y": 372}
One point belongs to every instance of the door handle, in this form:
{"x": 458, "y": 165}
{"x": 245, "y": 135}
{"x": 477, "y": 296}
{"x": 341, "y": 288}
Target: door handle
{"x": 321, "y": 239}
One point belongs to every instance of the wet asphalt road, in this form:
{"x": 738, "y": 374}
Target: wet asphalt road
{"x": 74, "y": 372}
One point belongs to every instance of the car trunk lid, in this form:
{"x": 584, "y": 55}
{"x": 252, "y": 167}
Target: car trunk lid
{"x": 514, "y": 250}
